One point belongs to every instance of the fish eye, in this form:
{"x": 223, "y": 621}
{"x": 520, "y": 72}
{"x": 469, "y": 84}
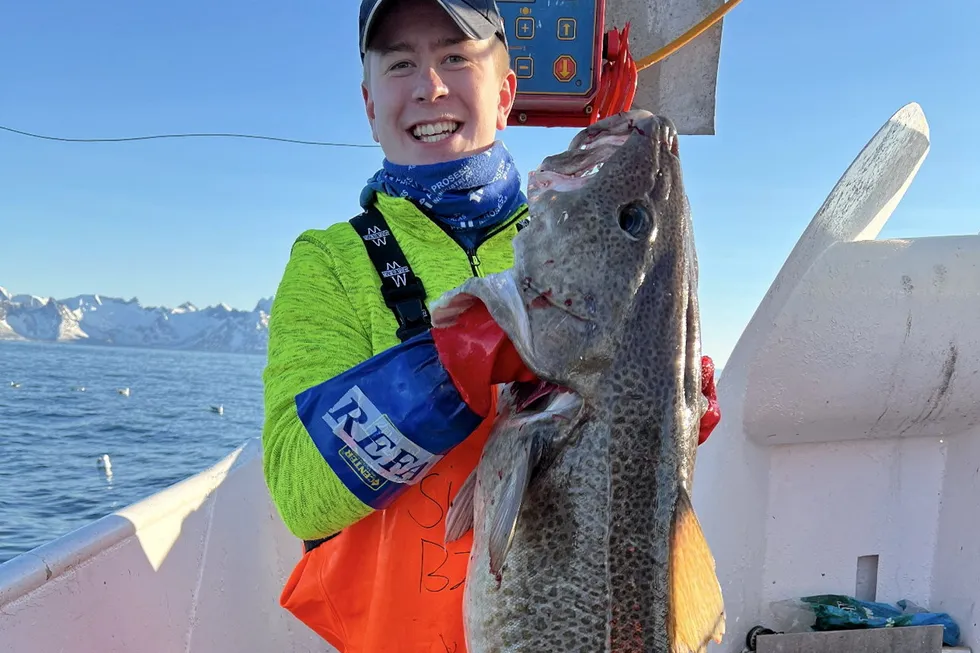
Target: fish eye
{"x": 634, "y": 218}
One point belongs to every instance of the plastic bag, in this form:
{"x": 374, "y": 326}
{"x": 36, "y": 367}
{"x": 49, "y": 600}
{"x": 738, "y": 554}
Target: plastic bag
{"x": 823, "y": 612}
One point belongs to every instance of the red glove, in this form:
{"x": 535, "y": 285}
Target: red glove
{"x": 711, "y": 416}
{"x": 477, "y": 355}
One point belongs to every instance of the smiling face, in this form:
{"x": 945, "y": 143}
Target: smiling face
{"x": 431, "y": 94}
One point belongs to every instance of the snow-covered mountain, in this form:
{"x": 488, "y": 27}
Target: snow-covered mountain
{"x": 100, "y": 320}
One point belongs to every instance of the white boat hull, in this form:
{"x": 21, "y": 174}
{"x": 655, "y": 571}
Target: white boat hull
{"x": 198, "y": 567}
{"x": 847, "y": 458}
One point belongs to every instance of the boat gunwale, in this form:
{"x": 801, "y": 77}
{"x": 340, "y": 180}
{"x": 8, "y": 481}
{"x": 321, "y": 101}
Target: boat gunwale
{"x": 26, "y": 573}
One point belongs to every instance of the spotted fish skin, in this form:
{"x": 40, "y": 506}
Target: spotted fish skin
{"x": 584, "y": 537}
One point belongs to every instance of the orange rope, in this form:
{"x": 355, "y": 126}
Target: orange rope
{"x": 687, "y": 37}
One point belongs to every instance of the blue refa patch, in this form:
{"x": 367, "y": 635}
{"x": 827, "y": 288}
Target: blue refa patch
{"x": 382, "y": 425}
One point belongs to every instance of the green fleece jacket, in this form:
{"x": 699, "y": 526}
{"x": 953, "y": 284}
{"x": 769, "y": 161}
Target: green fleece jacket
{"x": 328, "y": 316}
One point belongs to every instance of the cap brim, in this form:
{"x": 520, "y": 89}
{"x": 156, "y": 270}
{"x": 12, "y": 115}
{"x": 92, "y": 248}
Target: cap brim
{"x": 474, "y": 24}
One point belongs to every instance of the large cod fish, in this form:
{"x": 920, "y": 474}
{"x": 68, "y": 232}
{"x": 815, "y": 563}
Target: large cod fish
{"x": 585, "y": 540}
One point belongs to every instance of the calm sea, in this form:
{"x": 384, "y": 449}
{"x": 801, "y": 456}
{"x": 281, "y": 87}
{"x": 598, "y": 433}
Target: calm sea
{"x": 52, "y": 434}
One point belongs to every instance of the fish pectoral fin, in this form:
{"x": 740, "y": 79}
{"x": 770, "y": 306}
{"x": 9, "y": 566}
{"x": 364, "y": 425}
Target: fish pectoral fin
{"x": 507, "y": 507}
{"x": 459, "y": 517}
{"x": 697, "y": 609}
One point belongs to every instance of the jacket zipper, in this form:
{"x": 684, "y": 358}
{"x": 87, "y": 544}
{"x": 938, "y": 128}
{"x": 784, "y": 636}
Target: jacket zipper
{"x": 474, "y": 257}
{"x": 471, "y": 254}
{"x": 474, "y": 262}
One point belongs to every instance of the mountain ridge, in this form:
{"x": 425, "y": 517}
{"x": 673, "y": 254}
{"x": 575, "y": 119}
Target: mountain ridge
{"x": 113, "y": 321}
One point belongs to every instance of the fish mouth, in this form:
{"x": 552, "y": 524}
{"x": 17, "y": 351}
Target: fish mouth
{"x": 593, "y": 147}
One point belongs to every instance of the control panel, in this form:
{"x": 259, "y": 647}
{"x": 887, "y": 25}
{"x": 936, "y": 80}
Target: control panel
{"x": 556, "y": 52}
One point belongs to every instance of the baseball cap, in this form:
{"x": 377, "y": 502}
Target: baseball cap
{"x": 479, "y": 19}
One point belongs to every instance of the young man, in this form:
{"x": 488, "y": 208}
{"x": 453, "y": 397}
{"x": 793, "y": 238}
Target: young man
{"x": 371, "y": 425}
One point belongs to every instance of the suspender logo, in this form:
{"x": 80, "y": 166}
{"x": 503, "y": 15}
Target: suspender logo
{"x": 396, "y": 271}
{"x": 377, "y": 236}
{"x": 390, "y": 263}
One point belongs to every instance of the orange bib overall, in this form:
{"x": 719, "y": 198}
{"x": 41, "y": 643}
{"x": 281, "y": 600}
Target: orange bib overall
{"x": 390, "y": 583}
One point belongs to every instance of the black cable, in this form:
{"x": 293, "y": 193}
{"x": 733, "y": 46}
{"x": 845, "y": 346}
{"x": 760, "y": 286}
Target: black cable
{"x": 206, "y": 135}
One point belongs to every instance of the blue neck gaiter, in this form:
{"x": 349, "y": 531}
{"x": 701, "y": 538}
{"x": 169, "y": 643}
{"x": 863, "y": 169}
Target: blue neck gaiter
{"x": 469, "y": 195}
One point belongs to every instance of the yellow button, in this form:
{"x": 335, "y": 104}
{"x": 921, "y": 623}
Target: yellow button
{"x": 567, "y": 29}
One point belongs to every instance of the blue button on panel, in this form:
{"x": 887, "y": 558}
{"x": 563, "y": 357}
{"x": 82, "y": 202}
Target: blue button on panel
{"x": 552, "y": 44}
{"x": 566, "y": 29}
{"x": 525, "y": 28}
{"x": 524, "y": 67}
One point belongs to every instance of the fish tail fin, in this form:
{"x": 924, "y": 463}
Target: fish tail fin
{"x": 697, "y": 609}
{"x": 459, "y": 517}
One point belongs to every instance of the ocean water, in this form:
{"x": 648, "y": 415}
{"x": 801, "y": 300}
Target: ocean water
{"x": 52, "y": 435}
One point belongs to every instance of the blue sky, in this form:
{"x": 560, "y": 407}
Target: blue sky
{"x": 802, "y": 86}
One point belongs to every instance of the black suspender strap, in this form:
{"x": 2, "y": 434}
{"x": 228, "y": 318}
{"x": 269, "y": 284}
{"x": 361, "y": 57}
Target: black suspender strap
{"x": 403, "y": 292}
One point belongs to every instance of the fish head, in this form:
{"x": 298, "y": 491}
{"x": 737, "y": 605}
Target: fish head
{"x": 608, "y": 217}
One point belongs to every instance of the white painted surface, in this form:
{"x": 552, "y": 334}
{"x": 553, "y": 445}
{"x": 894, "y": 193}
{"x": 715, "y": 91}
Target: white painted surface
{"x": 956, "y": 584}
{"x": 850, "y": 412}
{"x": 832, "y": 503}
{"x": 196, "y": 568}
{"x": 683, "y": 85}
{"x": 878, "y": 340}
